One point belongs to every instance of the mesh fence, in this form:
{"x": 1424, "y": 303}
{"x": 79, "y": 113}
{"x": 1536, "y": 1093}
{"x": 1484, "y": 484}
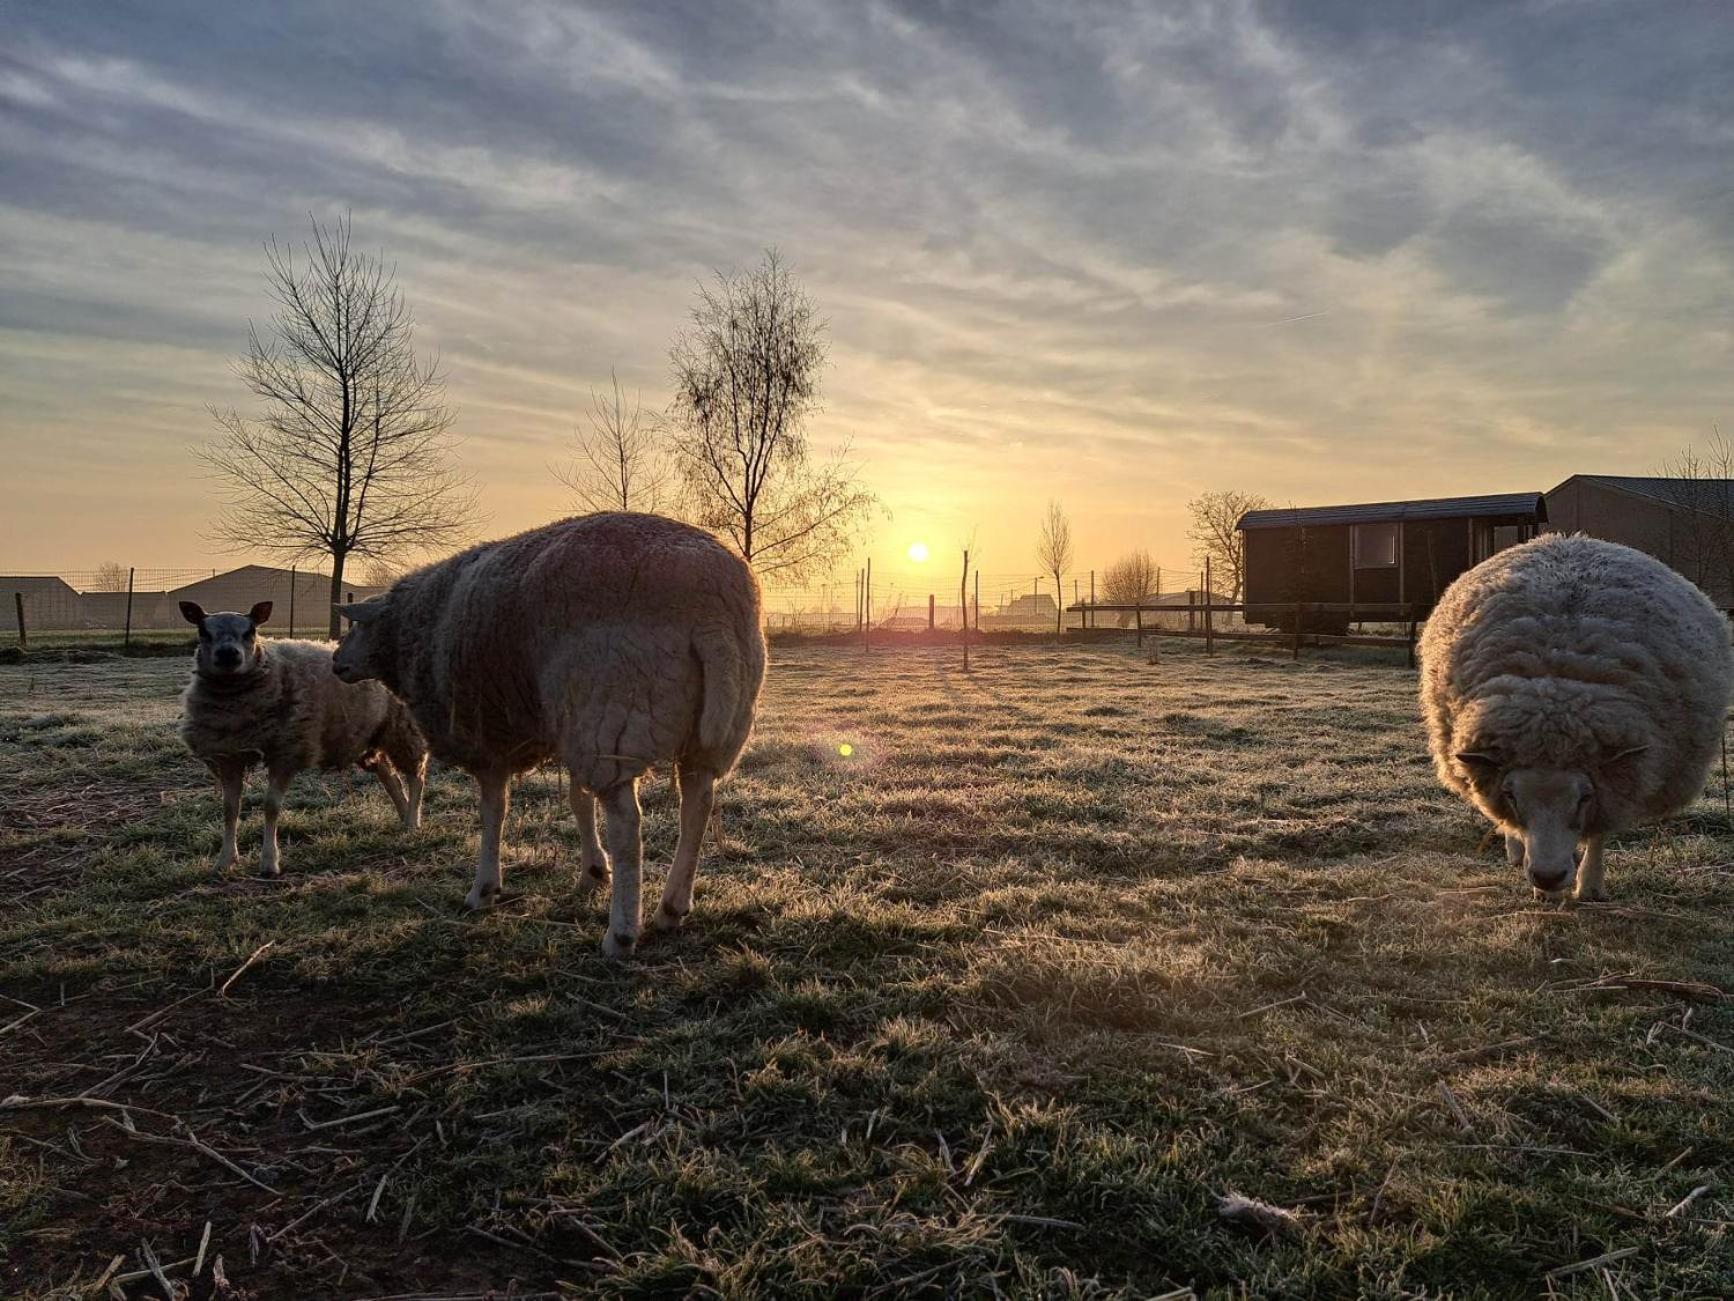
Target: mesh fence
{"x": 144, "y": 599}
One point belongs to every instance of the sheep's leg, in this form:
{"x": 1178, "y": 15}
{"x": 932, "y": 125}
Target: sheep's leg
{"x": 592, "y": 862}
{"x": 1514, "y": 849}
{"x": 495, "y": 800}
{"x": 1589, "y": 872}
{"x": 415, "y": 778}
{"x": 697, "y": 789}
{"x": 229, "y": 780}
{"x": 626, "y": 850}
{"x": 276, "y": 788}
{"x": 388, "y": 778}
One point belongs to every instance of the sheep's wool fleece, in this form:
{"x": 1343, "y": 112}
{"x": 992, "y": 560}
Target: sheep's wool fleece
{"x": 292, "y": 713}
{"x": 607, "y": 642}
{"x": 1565, "y": 651}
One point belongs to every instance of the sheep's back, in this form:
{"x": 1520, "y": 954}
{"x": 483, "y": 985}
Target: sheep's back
{"x": 1573, "y": 641}
{"x": 574, "y": 641}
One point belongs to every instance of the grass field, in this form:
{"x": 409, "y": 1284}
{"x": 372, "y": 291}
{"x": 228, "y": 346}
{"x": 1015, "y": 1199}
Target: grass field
{"x": 999, "y": 1004}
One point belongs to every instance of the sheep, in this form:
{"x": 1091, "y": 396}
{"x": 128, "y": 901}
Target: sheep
{"x": 607, "y": 643}
{"x": 1572, "y": 688}
{"x": 277, "y": 703}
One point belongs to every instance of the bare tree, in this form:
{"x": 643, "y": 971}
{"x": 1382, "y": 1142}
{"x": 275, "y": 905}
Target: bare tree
{"x": 1215, "y": 533}
{"x": 350, "y": 453}
{"x": 111, "y": 576}
{"x": 1130, "y": 580}
{"x": 1054, "y": 552}
{"x": 1701, "y": 544}
{"x": 619, "y": 463}
{"x": 746, "y": 379}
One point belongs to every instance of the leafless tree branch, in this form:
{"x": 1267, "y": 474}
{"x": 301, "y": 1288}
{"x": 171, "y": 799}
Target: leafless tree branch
{"x": 350, "y": 451}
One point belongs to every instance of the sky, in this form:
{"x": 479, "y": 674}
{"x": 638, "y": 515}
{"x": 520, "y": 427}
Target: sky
{"x": 1115, "y": 255}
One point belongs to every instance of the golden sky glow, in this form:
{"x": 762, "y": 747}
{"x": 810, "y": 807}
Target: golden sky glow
{"x": 1116, "y": 257}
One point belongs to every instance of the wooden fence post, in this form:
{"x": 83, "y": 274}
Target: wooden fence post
{"x": 1209, "y": 639}
{"x": 126, "y": 637}
{"x": 291, "y": 600}
{"x": 23, "y": 633}
{"x": 978, "y": 601}
{"x": 1300, "y": 618}
{"x": 1092, "y": 598}
{"x": 867, "y": 607}
{"x": 1411, "y": 638}
{"x": 930, "y": 612}
{"x": 963, "y": 608}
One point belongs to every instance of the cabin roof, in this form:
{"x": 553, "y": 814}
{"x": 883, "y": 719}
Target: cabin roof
{"x": 1530, "y": 505}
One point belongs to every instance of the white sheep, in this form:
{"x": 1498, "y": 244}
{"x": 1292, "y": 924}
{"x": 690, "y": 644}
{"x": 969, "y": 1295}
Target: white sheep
{"x": 608, "y": 644}
{"x": 1571, "y": 688}
{"x": 277, "y": 703}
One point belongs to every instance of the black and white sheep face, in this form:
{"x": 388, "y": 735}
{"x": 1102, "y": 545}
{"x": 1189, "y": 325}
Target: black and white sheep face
{"x": 228, "y": 642}
{"x": 356, "y": 657}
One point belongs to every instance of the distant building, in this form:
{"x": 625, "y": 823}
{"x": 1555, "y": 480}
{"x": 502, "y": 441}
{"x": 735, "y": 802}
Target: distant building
{"x": 48, "y": 602}
{"x": 1686, "y": 523}
{"x": 1035, "y": 610}
{"x": 1391, "y": 554}
{"x": 301, "y": 600}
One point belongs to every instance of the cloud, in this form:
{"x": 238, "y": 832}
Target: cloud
{"x": 1124, "y": 252}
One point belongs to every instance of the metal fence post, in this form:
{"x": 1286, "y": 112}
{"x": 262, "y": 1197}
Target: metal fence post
{"x": 23, "y": 633}
{"x": 126, "y": 637}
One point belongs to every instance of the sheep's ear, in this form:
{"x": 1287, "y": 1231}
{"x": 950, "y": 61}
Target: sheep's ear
{"x": 1630, "y": 752}
{"x": 259, "y": 613}
{"x": 361, "y": 611}
{"x": 193, "y": 612}
{"x": 1479, "y": 761}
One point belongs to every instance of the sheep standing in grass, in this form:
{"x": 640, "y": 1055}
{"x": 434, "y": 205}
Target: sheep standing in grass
{"x": 277, "y": 703}
{"x": 1571, "y": 688}
{"x": 607, "y": 643}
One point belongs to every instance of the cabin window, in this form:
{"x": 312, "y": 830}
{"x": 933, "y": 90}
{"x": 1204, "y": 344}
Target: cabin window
{"x": 1492, "y": 538}
{"x": 1375, "y": 546}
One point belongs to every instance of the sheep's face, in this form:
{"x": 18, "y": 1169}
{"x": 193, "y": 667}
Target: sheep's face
{"x": 360, "y": 656}
{"x": 1551, "y": 809}
{"x": 228, "y": 643}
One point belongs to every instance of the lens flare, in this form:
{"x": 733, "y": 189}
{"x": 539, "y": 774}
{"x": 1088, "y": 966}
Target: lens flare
{"x": 845, "y": 749}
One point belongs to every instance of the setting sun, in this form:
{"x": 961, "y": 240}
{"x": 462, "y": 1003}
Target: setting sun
{"x": 918, "y": 552}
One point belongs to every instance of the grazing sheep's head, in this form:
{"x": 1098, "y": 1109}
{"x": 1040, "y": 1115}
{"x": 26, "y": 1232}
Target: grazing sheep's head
{"x": 1550, "y": 809}
{"x": 364, "y": 651}
{"x": 228, "y": 643}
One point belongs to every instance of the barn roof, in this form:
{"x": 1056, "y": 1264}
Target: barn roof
{"x": 1532, "y": 505}
{"x": 1688, "y": 494}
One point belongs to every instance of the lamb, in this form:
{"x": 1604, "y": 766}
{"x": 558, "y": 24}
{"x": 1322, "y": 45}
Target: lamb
{"x": 277, "y": 703}
{"x": 1571, "y": 688}
{"x": 607, "y": 643}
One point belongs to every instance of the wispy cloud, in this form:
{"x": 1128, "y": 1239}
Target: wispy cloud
{"x": 1119, "y": 253}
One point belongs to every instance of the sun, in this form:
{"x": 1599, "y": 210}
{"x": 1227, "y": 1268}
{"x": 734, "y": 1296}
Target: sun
{"x": 918, "y": 552}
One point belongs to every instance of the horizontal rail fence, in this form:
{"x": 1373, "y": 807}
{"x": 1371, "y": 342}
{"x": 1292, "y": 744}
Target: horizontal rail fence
{"x": 1288, "y": 622}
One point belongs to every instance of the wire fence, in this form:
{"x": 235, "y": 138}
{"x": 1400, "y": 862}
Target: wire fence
{"x": 138, "y": 600}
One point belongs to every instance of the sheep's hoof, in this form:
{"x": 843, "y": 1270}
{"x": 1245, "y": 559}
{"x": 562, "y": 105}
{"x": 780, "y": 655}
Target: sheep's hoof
{"x": 481, "y": 896}
{"x": 1595, "y": 895}
{"x": 669, "y": 920}
{"x": 617, "y": 945}
{"x": 222, "y": 865}
{"x": 592, "y": 879}
{"x": 269, "y": 871}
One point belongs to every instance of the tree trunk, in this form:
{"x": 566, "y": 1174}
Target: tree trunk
{"x": 337, "y": 560}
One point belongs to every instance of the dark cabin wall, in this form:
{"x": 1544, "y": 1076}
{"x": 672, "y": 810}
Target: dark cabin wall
{"x": 1434, "y": 553}
{"x": 1297, "y": 564}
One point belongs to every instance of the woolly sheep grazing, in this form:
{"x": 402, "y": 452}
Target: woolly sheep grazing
{"x": 607, "y": 643}
{"x": 1571, "y": 688}
{"x": 277, "y": 703}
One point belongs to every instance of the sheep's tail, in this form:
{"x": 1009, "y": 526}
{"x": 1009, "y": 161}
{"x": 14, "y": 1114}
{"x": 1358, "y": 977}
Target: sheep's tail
{"x": 724, "y": 681}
